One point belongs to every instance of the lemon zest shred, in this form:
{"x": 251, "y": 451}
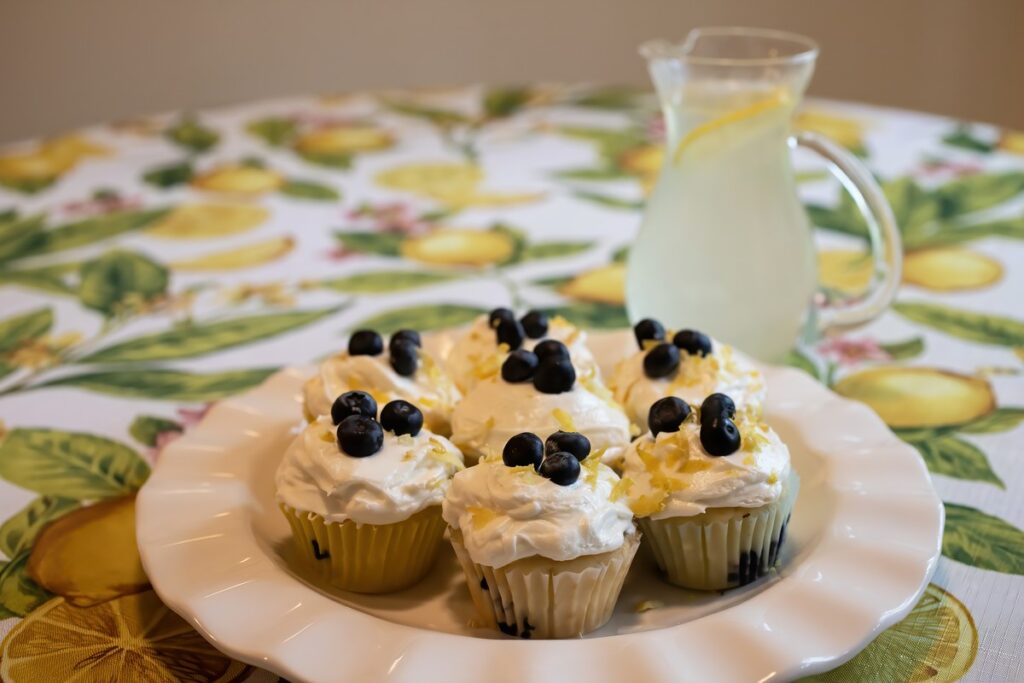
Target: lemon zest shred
{"x": 564, "y": 420}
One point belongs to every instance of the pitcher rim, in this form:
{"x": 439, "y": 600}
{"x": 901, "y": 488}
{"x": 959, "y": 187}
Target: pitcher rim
{"x": 664, "y": 49}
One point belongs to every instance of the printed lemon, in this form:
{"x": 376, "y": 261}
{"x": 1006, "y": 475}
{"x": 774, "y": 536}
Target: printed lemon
{"x": 453, "y": 184}
{"x": 937, "y": 642}
{"x": 201, "y": 221}
{"x": 248, "y": 256}
{"x": 69, "y": 149}
{"x": 643, "y": 162}
{"x": 846, "y": 131}
{"x": 89, "y": 555}
{"x": 845, "y": 270}
{"x": 460, "y": 247}
{"x": 29, "y": 167}
{"x": 947, "y": 269}
{"x": 344, "y": 139}
{"x": 919, "y": 397}
{"x": 133, "y": 638}
{"x": 244, "y": 180}
{"x": 606, "y": 284}
{"x": 1012, "y": 141}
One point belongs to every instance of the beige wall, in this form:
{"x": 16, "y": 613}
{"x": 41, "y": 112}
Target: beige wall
{"x": 70, "y": 62}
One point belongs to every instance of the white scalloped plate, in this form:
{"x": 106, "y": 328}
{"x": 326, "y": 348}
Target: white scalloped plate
{"x": 864, "y": 540}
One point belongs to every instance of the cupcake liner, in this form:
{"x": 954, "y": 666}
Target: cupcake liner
{"x": 368, "y": 558}
{"x": 724, "y": 547}
{"x": 540, "y": 598}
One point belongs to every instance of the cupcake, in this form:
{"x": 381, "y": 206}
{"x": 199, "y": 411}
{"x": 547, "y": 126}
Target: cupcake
{"x": 479, "y": 352}
{"x": 538, "y": 392}
{"x": 363, "y": 497}
{"x": 691, "y": 366}
{"x": 405, "y": 372}
{"x": 545, "y": 539}
{"x": 712, "y": 489}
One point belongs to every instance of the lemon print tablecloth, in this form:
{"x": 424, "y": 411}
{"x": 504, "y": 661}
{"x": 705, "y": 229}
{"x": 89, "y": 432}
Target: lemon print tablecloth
{"x": 149, "y": 268}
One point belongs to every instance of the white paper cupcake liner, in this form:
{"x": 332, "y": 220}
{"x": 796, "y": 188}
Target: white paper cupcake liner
{"x": 540, "y": 598}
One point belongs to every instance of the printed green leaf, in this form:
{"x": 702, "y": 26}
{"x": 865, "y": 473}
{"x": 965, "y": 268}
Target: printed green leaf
{"x": 598, "y": 173}
{"x": 146, "y": 428}
{"x": 40, "y": 279}
{"x": 21, "y": 328}
{"x": 983, "y": 541}
{"x": 167, "y": 385}
{"x": 979, "y": 327}
{"x": 592, "y": 315}
{"x": 378, "y": 282}
{"x": 20, "y": 237}
{"x": 381, "y": 243}
{"x": 274, "y": 131}
{"x": 958, "y": 234}
{"x": 329, "y": 159}
{"x": 905, "y": 349}
{"x": 305, "y": 189}
{"x": 502, "y": 102}
{"x": 999, "y": 420}
{"x": 19, "y": 594}
{"x": 611, "y": 142}
{"x": 611, "y": 97}
{"x": 28, "y": 185}
{"x": 962, "y": 137}
{"x": 423, "y": 318}
{"x": 544, "y": 250}
{"x": 801, "y": 361}
{"x": 170, "y": 175}
{"x": 444, "y": 118}
{"x": 190, "y": 341}
{"x": 70, "y": 464}
{"x": 978, "y": 192}
{"x": 96, "y": 229}
{"x": 112, "y": 279}
{"x": 192, "y": 135}
{"x": 609, "y": 201}
{"x": 621, "y": 254}
{"x": 952, "y": 457}
{"x": 20, "y": 531}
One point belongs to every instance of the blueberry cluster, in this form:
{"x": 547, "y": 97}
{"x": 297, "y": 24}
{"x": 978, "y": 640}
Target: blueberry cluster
{"x": 557, "y": 459}
{"x": 359, "y": 433}
{"x": 718, "y": 433}
{"x": 548, "y": 366}
{"x": 513, "y": 332}
{"x": 663, "y": 358}
{"x": 403, "y": 348}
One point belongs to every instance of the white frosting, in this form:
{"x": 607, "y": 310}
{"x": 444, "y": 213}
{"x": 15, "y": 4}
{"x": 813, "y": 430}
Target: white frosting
{"x": 508, "y": 513}
{"x": 495, "y": 411}
{"x": 673, "y": 476}
{"x": 405, "y": 476}
{"x": 476, "y": 355}
{"x": 429, "y": 389}
{"x": 724, "y": 371}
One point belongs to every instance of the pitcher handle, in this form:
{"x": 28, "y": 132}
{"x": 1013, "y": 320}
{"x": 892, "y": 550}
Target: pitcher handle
{"x": 883, "y": 233}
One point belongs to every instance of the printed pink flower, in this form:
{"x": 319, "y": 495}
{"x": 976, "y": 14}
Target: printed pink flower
{"x": 100, "y": 204}
{"x": 949, "y": 169}
{"x": 187, "y": 418}
{"x": 397, "y": 217}
{"x": 852, "y": 351}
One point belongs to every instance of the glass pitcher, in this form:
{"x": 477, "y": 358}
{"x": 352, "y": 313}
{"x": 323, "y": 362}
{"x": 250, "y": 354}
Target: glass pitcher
{"x": 725, "y": 246}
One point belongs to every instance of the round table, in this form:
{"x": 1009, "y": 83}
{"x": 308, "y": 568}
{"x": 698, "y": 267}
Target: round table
{"x": 151, "y": 267}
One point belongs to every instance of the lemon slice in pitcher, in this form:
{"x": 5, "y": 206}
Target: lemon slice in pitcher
{"x": 778, "y": 99}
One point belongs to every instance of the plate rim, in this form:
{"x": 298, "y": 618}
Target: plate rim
{"x": 199, "y": 597}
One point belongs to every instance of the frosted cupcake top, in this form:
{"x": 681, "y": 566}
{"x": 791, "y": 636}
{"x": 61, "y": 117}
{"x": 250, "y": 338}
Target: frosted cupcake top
{"x": 538, "y": 501}
{"x": 402, "y": 371}
{"x": 541, "y": 395}
{"x": 367, "y": 471}
{"x": 696, "y": 459}
{"x": 690, "y": 365}
{"x": 479, "y": 352}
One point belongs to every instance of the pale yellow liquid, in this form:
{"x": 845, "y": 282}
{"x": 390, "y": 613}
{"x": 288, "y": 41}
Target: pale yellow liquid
{"x": 725, "y": 245}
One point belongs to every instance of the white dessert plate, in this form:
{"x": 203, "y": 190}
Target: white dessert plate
{"x": 863, "y": 542}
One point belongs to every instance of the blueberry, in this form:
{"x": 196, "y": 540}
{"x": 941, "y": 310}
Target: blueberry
{"x": 407, "y": 335}
{"x": 661, "y": 361}
{"x": 523, "y": 449}
{"x": 693, "y": 342}
{"x": 647, "y": 329}
{"x": 401, "y": 417}
{"x": 667, "y": 414}
{"x": 404, "y": 357}
{"x": 365, "y": 343}
{"x": 551, "y": 349}
{"x": 554, "y": 376}
{"x": 510, "y": 332}
{"x": 568, "y": 442}
{"x": 717, "y": 405}
{"x": 360, "y": 436}
{"x": 535, "y": 324}
{"x": 719, "y": 436}
{"x": 499, "y": 314}
{"x": 353, "y": 403}
{"x": 519, "y": 366}
{"x": 561, "y": 468}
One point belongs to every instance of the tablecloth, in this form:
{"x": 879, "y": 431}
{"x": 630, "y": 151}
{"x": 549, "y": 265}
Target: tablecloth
{"x": 151, "y": 267}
